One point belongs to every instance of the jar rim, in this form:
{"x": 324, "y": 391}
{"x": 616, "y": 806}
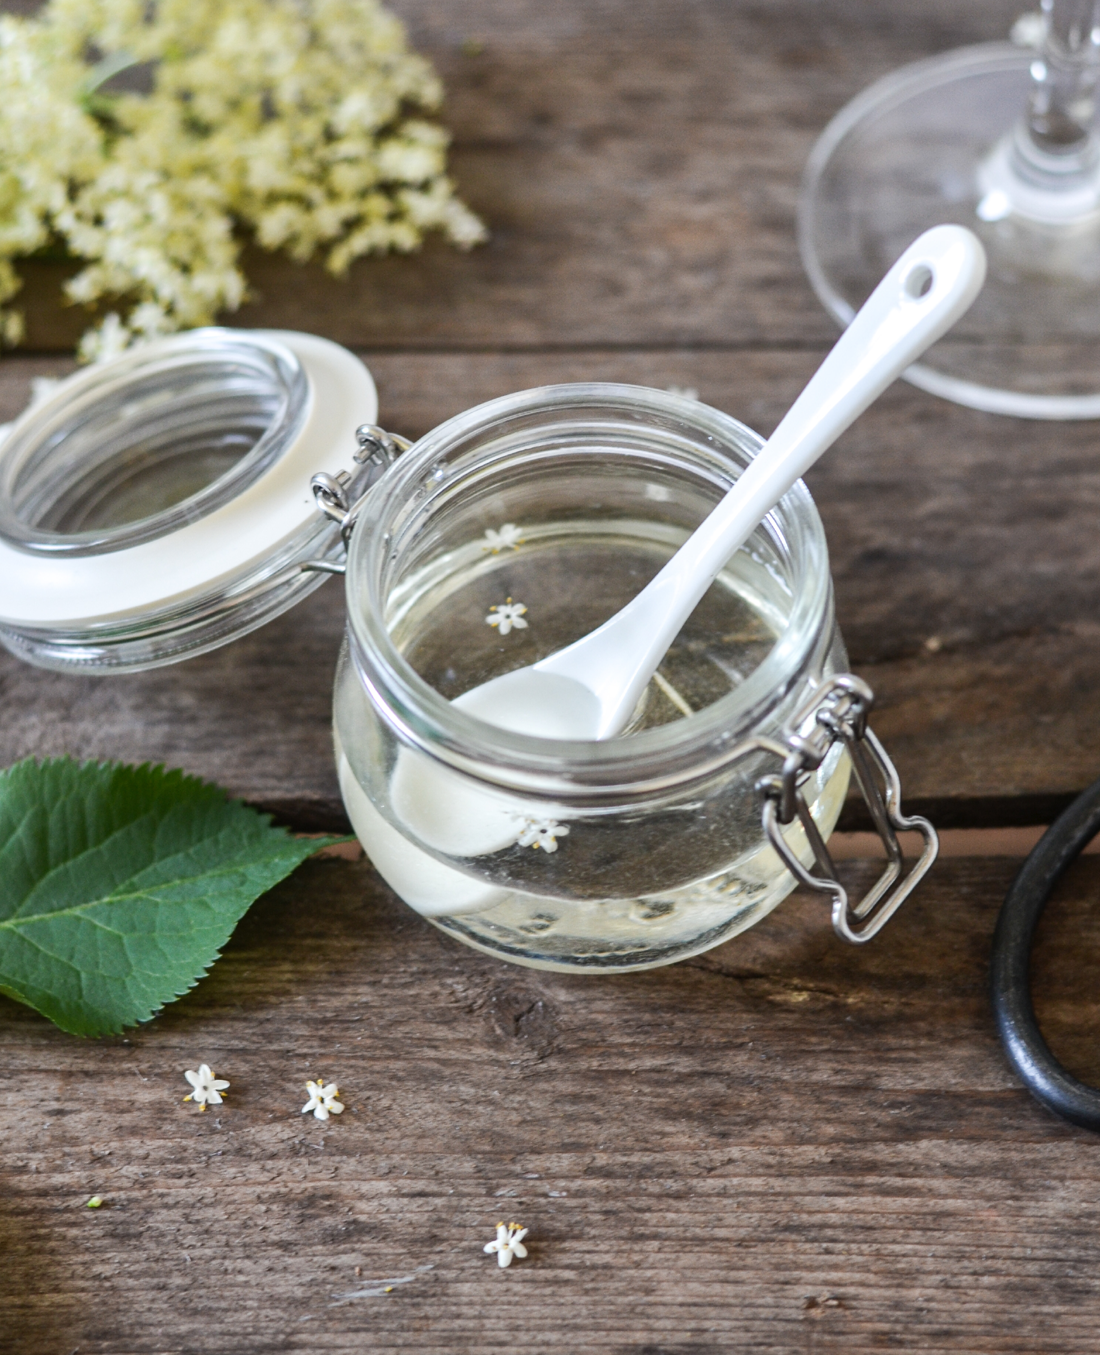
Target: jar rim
{"x": 421, "y": 717}
{"x": 269, "y": 365}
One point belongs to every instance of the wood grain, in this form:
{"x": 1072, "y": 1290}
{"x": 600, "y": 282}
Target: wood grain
{"x": 787, "y": 1144}
{"x": 784, "y": 1146}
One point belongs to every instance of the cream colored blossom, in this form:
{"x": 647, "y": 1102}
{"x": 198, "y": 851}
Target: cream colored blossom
{"x": 301, "y": 124}
{"x": 542, "y": 833}
{"x": 322, "y": 1099}
{"x": 509, "y": 1243}
{"x": 508, "y": 537}
{"x": 506, "y": 616}
{"x": 206, "y": 1089}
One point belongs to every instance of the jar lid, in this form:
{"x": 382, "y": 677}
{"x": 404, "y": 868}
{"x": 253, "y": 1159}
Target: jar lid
{"x": 158, "y": 505}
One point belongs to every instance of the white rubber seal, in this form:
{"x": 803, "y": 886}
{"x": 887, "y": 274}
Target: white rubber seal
{"x": 229, "y": 542}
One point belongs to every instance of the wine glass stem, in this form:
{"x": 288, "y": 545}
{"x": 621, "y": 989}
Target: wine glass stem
{"x": 1064, "y": 76}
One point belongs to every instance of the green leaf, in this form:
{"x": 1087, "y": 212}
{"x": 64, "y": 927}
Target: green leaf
{"x": 119, "y": 886}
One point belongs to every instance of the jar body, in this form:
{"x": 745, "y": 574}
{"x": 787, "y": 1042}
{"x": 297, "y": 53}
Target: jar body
{"x": 594, "y": 858}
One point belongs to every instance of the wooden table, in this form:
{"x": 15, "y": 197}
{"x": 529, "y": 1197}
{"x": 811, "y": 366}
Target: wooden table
{"x": 783, "y": 1145}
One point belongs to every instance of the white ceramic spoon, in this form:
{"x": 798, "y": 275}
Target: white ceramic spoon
{"x": 590, "y": 689}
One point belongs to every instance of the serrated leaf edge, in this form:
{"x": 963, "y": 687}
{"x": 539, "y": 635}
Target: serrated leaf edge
{"x": 293, "y": 842}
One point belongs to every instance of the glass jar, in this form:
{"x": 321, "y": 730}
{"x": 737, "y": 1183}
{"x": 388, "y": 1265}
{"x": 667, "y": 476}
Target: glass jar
{"x": 507, "y": 533}
{"x": 166, "y": 502}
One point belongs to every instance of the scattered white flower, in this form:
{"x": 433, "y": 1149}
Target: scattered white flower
{"x": 509, "y": 1243}
{"x": 506, "y": 616}
{"x": 206, "y": 1088}
{"x": 688, "y": 392}
{"x": 322, "y": 1099}
{"x": 508, "y": 536}
{"x": 542, "y": 833}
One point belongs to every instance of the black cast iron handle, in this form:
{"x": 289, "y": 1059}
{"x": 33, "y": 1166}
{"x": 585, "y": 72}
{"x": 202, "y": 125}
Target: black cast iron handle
{"x": 1010, "y": 972}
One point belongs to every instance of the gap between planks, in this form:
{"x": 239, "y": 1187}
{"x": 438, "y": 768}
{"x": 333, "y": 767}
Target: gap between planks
{"x": 953, "y": 842}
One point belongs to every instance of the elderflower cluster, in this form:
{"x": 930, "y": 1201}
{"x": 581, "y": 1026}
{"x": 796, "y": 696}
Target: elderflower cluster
{"x": 298, "y": 122}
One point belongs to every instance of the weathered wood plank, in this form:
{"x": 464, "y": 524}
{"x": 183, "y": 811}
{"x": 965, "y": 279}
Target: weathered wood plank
{"x": 967, "y": 569}
{"x": 638, "y": 164}
{"x": 784, "y": 1145}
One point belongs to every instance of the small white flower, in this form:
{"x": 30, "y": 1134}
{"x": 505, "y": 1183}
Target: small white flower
{"x": 107, "y": 342}
{"x": 542, "y": 833}
{"x": 322, "y": 1099}
{"x": 509, "y": 1243}
{"x": 206, "y": 1088}
{"x": 508, "y": 536}
{"x": 506, "y": 616}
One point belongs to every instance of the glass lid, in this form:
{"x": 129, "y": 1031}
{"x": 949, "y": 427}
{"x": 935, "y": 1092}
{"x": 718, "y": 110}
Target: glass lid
{"x": 159, "y": 504}
{"x": 135, "y": 448}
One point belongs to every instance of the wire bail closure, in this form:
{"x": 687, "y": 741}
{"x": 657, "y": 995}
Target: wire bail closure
{"x": 332, "y": 493}
{"x": 839, "y": 711}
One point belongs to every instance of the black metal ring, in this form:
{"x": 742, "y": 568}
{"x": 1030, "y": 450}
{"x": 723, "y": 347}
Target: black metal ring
{"x": 1010, "y": 971}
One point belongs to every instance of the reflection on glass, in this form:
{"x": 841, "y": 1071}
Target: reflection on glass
{"x": 1001, "y": 138}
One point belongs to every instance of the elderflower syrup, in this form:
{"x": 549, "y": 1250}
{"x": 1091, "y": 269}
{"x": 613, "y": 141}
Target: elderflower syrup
{"x": 503, "y": 536}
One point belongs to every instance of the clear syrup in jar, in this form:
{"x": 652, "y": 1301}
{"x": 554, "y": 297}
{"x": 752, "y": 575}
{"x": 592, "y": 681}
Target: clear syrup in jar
{"x": 597, "y": 913}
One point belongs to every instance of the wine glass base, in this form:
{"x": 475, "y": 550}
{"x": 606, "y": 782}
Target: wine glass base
{"x": 916, "y": 149}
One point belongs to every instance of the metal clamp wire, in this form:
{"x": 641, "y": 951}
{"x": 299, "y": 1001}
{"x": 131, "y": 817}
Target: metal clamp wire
{"x": 1010, "y": 970}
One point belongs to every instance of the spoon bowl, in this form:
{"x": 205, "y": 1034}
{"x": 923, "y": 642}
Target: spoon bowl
{"x": 590, "y": 689}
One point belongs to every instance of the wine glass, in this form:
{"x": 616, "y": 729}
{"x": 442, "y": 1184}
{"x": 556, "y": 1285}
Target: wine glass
{"x": 999, "y": 137}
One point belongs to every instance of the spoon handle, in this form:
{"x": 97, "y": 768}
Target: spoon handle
{"x": 918, "y": 300}
{"x": 930, "y": 287}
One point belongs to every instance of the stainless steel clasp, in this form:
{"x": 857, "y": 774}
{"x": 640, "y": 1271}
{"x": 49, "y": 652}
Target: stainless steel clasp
{"x": 332, "y": 493}
{"x": 838, "y": 711}
{"x": 376, "y": 445}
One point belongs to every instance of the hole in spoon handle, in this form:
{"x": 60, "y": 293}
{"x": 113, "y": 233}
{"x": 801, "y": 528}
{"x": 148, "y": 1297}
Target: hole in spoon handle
{"x": 919, "y": 281}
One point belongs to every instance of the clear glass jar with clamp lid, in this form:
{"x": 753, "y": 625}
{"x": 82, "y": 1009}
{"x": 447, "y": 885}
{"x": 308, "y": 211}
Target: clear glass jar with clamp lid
{"x": 174, "y": 499}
